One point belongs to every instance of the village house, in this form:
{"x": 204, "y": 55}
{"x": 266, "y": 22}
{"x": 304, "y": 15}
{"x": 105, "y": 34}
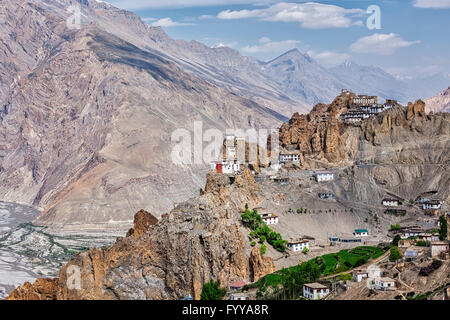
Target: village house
{"x": 404, "y": 243}
{"x": 269, "y": 218}
{"x": 359, "y": 275}
{"x": 361, "y": 233}
{"x": 226, "y": 167}
{"x": 355, "y": 115}
{"x": 289, "y": 157}
{"x": 239, "y": 296}
{"x": 325, "y": 195}
{"x": 438, "y": 247}
{"x": 298, "y": 245}
{"x": 275, "y": 165}
{"x": 315, "y": 291}
{"x": 334, "y": 240}
{"x": 323, "y": 176}
{"x": 385, "y": 283}
{"x": 411, "y": 255}
{"x": 410, "y": 233}
{"x": 281, "y": 180}
{"x": 364, "y": 100}
{"x": 390, "y": 202}
{"x": 350, "y": 240}
{"x": 432, "y": 204}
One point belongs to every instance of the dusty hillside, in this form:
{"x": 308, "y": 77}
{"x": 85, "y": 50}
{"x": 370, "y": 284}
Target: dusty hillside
{"x": 86, "y": 122}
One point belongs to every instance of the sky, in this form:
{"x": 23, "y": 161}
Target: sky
{"x": 408, "y": 38}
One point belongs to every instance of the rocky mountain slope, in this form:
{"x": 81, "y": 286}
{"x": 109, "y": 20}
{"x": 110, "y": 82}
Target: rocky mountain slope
{"x": 86, "y": 114}
{"x": 171, "y": 258}
{"x": 440, "y": 102}
{"x": 86, "y": 121}
{"x": 401, "y": 151}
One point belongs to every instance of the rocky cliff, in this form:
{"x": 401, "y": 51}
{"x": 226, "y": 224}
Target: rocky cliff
{"x": 402, "y": 150}
{"x": 198, "y": 241}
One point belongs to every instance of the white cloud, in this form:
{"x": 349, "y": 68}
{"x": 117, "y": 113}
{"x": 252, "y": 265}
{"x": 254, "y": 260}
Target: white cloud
{"x": 310, "y": 15}
{"x": 206, "y": 17}
{"x": 329, "y": 58}
{"x": 382, "y": 44}
{"x": 167, "y": 22}
{"x": 266, "y": 45}
{"x": 433, "y": 4}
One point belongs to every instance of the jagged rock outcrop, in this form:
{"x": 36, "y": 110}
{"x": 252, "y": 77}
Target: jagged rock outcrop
{"x": 142, "y": 221}
{"x": 260, "y": 265}
{"x": 41, "y": 289}
{"x": 416, "y": 110}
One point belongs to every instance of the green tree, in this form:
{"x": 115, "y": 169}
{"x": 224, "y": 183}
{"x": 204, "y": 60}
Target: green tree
{"x": 395, "y": 254}
{"x": 305, "y": 250}
{"x": 263, "y": 249}
{"x": 396, "y": 240}
{"x": 212, "y": 291}
{"x": 443, "y": 228}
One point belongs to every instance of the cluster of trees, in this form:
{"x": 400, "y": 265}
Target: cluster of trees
{"x": 261, "y": 230}
{"x": 395, "y": 227}
{"x": 395, "y": 254}
{"x": 423, "y": 243}
{"x": 289, "y": 282}
{"x": 212, "y": 291}
{"x": 302, "y": 210}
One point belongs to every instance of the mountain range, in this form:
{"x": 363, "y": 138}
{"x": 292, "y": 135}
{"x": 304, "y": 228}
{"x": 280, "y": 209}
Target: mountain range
{"x": 86, "y": 114}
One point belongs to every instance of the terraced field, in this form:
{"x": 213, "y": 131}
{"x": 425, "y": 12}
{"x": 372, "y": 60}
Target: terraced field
{"x": 348, "y": 259}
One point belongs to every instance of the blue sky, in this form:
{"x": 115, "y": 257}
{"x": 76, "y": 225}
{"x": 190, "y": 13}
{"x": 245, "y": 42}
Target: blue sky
{"x": 413, "y": 39}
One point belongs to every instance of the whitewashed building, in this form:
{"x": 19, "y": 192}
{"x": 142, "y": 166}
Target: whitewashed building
{"x": 269, "y": 218}
{"x": 385, "y": 283}
{"x": 438, "y": 247}
{"x": 432, "y": 204}
{"x": 239, "y": 297}
{"x": 298, "y": 245}
{"x": 226, "y": 167}
{"x": 359, "y": 275}
{"x": 390, "y": 202}
{"x": 323, "y": 176}
{"x": 361, "y": 233}
{"x": 289, "y": 157}
{"x": 315, "y": 291}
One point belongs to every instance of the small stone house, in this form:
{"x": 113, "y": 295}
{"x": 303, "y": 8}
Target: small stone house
{"x": 315, "y": 291}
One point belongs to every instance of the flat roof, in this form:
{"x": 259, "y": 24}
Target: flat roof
{"x": 298, "y": 241}
{"x": 386, "y": 279}
{"x": 361, "y": 231}
{"x": 316, "y": 285}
